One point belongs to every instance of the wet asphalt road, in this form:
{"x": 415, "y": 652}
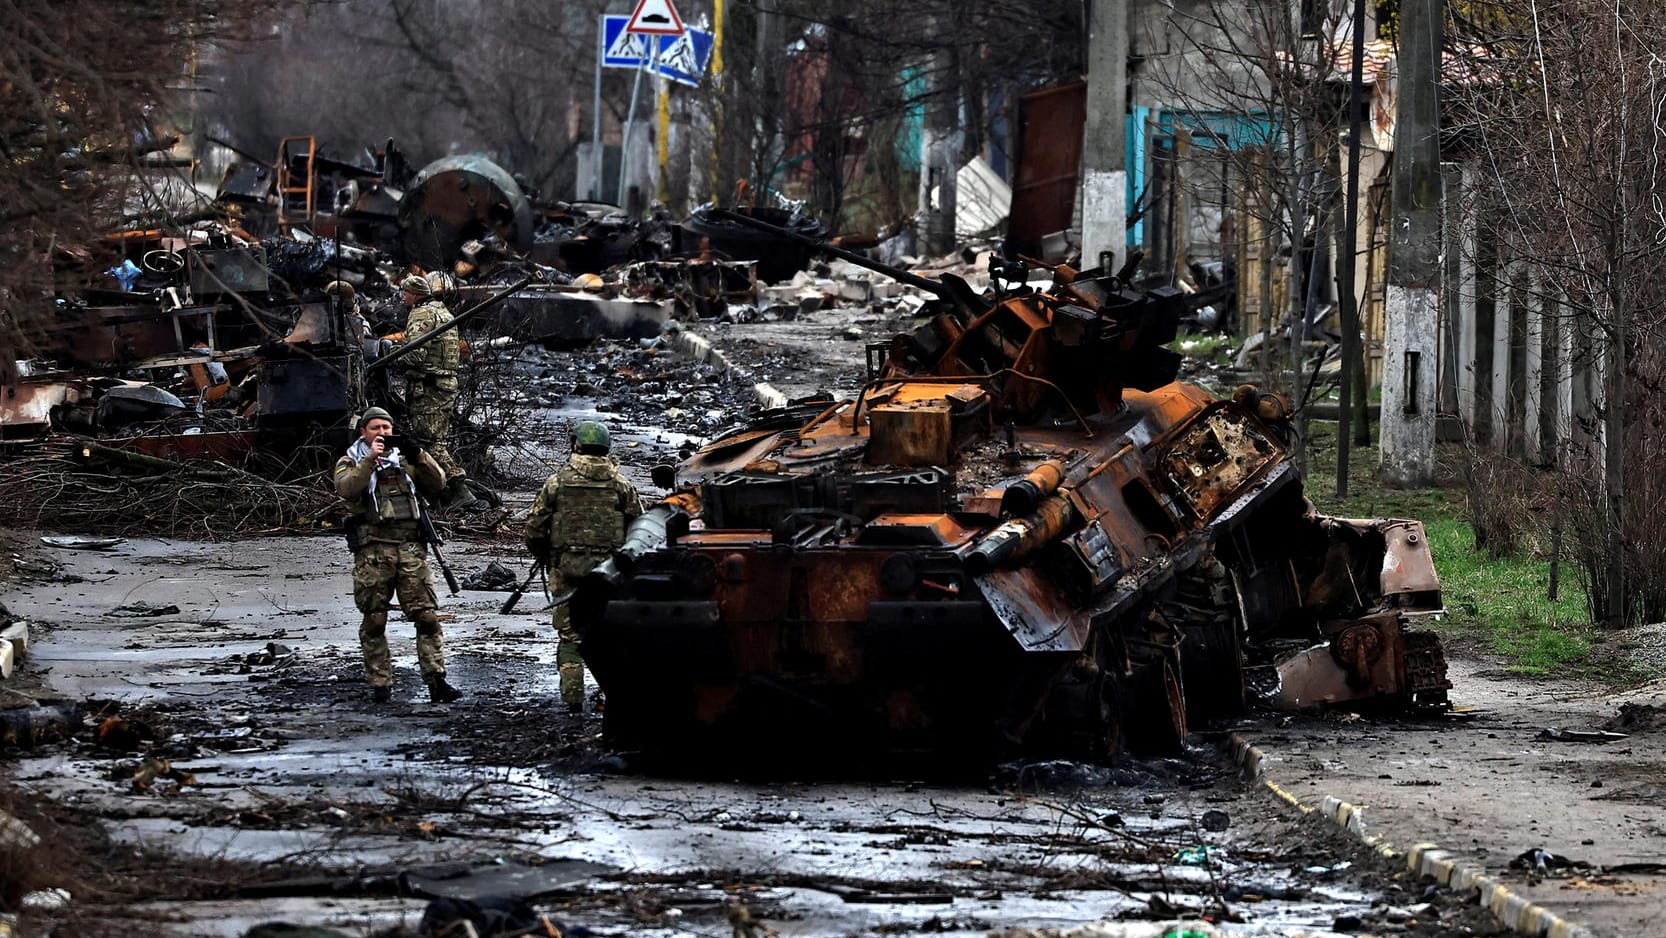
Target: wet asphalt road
{"x": 252, "y": 688}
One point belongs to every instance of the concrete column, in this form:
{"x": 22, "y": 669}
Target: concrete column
{"x": 1462, "y": 307}
{"x": 1412, "y": 318}
{"x": 1533, "y": 403}
{"x": 1550, "y": 368}
{"x": 1104, "y": 210}
{"x": 1564, "y": 381}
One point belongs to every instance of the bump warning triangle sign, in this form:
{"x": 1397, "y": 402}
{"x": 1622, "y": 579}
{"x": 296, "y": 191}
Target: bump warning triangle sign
{"x": 656, "y": 17}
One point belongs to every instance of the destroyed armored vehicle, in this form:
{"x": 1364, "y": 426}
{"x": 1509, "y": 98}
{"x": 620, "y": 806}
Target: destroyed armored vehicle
{"x": 1023, "y": 534}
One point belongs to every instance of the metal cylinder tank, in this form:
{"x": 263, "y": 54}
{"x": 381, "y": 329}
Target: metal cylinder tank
{"x": 457, "y": 199}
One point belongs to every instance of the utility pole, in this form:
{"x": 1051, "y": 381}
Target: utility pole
{"x": 1411, "y": 315}
{"x": 1346, "y": 259}
{"x": 940, "y": 141}
{"x": 1104, "y": 134}
{"x": 768, "y": 79}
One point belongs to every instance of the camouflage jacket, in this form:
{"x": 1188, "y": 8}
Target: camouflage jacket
{"x": 584, "y": 506}
{"x": 389, "y": 513}
{"x": 438, "y": 358}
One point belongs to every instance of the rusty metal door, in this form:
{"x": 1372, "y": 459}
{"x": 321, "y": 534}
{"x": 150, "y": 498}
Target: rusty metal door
{"x": 1047, "y": 164}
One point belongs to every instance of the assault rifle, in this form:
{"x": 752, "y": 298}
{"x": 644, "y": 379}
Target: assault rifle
{"x": 432, "y": 537}
{"x": 515, "y": 597}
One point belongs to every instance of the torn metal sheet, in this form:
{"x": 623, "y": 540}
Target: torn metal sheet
{"x": 702, "y": 288}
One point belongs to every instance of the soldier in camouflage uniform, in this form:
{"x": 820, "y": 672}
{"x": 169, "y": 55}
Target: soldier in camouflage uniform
{"x": 431, "y": 378}
{"x": 382, "y": 488}
{"x": 578, "y": 518}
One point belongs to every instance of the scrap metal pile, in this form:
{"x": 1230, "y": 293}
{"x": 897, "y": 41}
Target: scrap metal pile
{"x": 1023, "y": 533}
{"x": 212, "y": 338}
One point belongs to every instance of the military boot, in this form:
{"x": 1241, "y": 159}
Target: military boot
{"x": 439, "y": 691}
{"x": 572, "y": 686}
{"x": 458, "y": 497}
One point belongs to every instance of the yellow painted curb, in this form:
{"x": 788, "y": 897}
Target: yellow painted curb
{"x": 1427, "y": 860}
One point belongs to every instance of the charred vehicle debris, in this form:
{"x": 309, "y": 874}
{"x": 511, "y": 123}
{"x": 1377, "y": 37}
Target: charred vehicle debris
{"x": 215, "y": 335}
{"x": 1023, "y": 533}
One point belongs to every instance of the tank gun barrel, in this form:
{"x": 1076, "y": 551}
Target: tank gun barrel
{"x": 1022, "y": 497}
{"x": 647, "y": 533}
{"x": 914, "y": 280}
{"x": 1016, "y": 538}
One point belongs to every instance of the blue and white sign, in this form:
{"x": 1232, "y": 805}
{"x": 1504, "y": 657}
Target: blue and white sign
{"x": 683, "y": 58}
{"x": 621, "y": 48}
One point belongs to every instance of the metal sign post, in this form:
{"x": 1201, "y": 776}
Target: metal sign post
{"x": 625, "y": 139}
{"x": 650, "y": 20}
{"x": 640, "y": 41}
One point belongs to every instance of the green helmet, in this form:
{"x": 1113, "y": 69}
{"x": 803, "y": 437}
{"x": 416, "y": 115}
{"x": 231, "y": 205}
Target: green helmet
{"x": 371, "y": 413}
{"x": 591, "y": 436}
{"x": 417, "y": 284}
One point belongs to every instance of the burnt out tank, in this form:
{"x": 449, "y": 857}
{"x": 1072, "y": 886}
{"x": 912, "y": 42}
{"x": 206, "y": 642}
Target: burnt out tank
{"x": 1023, "y": 534}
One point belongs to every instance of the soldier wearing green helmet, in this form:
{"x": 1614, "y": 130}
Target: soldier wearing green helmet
{"x": 578, "y": 518}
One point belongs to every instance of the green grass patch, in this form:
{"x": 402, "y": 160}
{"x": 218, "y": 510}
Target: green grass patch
{"x": 1209, "y": 348}
{"x": 1499, "y": 603}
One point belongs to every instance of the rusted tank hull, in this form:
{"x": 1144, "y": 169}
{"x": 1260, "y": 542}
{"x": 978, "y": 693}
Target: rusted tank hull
{"x": 913, "y": 677}
{"x": 1022, "y": 533}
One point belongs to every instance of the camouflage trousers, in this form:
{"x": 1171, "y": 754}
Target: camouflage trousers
{"x": 565, "y": 574}
{"x": 430, "y": 401}
{"x": 381, "y": 569}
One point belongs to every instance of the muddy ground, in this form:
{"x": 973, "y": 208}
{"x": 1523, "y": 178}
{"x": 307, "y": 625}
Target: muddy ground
{"x": 289, "y": 784}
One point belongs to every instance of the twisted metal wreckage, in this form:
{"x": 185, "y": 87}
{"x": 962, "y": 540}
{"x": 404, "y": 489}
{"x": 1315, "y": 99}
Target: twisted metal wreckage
{"x": 214, "y": 339}
{"x": 1022, "y": 533}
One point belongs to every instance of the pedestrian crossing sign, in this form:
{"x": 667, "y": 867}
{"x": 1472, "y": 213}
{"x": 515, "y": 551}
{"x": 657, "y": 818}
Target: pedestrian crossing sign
{"x": 622, "y": 48}
{"x": 683, "y": 58}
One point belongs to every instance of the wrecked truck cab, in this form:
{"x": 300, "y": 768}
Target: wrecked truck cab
{"x": 1023, "y": 535}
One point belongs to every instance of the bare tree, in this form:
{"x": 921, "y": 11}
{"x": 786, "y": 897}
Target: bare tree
{"x": 1562, "y": 102}
{"x": 88, "y": 88}
{"x": 862, "y": 71}
{"x": 509, "y": 79}
{"x": 1260, "y": 87}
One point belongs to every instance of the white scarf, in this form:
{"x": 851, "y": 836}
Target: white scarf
{"x": 390, "y": 460}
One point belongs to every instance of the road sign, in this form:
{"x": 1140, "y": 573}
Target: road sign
{"x": 657, "y": 17}
{"x": 684, "y": 58}
{"x": 622, "y": 48}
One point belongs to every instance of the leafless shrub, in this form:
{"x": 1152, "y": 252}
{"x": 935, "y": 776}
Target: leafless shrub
{"x": 1505, "y": 500}
{"x": 202, "y": 501}
{"x": 493, "y": 408}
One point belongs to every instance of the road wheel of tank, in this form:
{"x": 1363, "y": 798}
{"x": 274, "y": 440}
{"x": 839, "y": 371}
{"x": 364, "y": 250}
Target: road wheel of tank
{"x": 1154, "y": 710}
